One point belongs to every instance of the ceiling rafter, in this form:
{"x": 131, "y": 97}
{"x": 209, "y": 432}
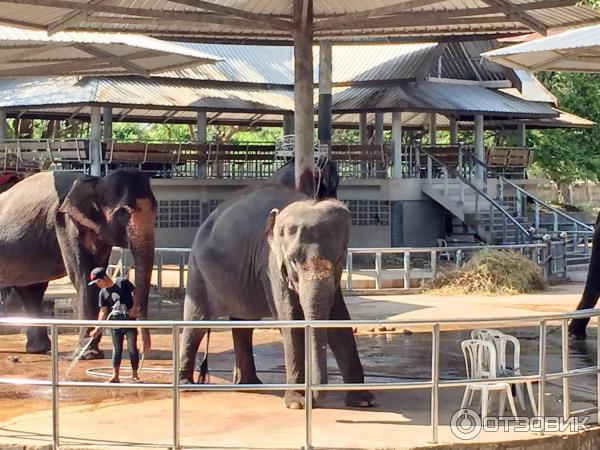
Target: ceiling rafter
{"x": 123, "y": 61}
{"x": 513, "y": 13}
{"x": 208, "y": 18}
{"x": 72, "y": 19}
{"x": 275, "y": 22}
{"x": 334, "y": 22}
{"x": 32, "y": 51}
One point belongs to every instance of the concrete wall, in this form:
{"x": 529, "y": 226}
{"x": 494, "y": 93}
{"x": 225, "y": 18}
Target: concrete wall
{"x": 385, "y": 212}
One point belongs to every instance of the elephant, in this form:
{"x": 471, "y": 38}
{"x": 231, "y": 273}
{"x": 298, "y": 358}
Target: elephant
{"x": 591, "y": 292}
{"x": 274, "y": 252}
{"x": 54, "y": 224}
{"x": 327, "y": 178}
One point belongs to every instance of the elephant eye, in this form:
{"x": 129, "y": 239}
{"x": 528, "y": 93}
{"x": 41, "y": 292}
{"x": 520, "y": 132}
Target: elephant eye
{"x": 293, "y": 229}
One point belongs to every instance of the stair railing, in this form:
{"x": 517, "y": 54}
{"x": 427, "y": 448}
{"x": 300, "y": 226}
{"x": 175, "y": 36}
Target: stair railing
{"x": 456, "y": 172}
{"x": 578, "y": 227}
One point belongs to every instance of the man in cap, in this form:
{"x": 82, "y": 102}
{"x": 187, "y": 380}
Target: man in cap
{"x": 117, "y": 302}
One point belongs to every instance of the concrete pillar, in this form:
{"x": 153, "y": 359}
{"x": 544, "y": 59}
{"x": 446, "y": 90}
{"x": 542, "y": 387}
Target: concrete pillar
{"x": 432, "y": 129}
{"x": 379, "y": 128}
{"x": 303, "y": 96}
{"x": 363, "y": 133}
{"x": 521, "y": 135}
{"x": 201, "y": 125}
{"x": 288, "y": 124}
{"x": 107, "y": 123}
{"x": 95, "y": 136}
{"x": 453, "y": 130}
{"x": 479, "y": 145}
{"x": 3, "y": 125}
{"x": 397, "y": 144}
{"x": 325, "y": 64}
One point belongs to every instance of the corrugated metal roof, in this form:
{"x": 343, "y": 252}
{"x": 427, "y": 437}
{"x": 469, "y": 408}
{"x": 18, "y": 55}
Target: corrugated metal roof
{"x": 440, "y": 97}
{"x": 531, "y": 89}
{"x": 572, "y": 50}
{"x": 30, "y": 52}
{"x": 162, "y": 17}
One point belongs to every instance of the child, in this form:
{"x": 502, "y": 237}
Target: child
{"x": 116, "y": 302}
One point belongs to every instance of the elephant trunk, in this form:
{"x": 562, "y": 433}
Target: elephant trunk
{"x": 317, "y": 290}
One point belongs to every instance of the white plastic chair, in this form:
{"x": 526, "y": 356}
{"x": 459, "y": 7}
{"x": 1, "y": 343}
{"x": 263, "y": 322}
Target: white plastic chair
{"x": 501, "y": 341}
{"x": 442, "y": 243}
{"x": 480, "y": 362}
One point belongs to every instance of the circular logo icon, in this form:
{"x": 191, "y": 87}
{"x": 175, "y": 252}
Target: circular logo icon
{"x": 465, "y": 424}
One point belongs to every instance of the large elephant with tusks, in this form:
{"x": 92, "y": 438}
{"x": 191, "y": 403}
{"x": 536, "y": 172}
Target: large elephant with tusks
{"x": 54, "y": 224}
{"x": 591, "y": 292}
{"x": 273, "y": 252}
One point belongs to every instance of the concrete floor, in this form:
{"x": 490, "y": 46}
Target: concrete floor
{"x": 110, "y": 417}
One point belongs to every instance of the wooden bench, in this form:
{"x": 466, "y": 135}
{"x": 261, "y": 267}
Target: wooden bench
{"x": 510, "y": 161}
{"x": 497, "y": 157}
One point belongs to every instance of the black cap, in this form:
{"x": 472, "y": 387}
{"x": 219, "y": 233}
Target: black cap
{"x": 96, "y": 275}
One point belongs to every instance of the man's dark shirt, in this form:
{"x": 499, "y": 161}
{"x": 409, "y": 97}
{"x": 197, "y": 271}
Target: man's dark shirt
{"x": 118, "y": 299}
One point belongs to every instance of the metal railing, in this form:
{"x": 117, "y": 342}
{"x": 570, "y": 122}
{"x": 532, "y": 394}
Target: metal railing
{"x": 550, "y": 257}
{"x": 308, "y": 386}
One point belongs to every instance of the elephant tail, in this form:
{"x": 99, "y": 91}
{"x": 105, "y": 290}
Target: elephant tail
{"x": 204, "y": 377}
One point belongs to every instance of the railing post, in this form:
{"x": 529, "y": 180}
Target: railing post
{"x": 542, "y": 369}
{"x": 459, "y": 257}
{"x": 501, "y": 192}
{"x": 537, "y": 216}
{"x": 55, "y": 392}
{"x": 182, "y": 271}
{"x": 445, "y": 172}
{"x": 159, "y": 270}
{"x": 565, "y": 368}
{"x": 417, "y": 163}
{"x": 308, "y": 388}
{"x": 434, "y": 268}
{"x": 555, "y": 222}
{"x": 378, "y": 274}
{"x": 462, "y": 191}
{"x": 460, "y": 162}
{"x": 586, "y": 244}
{"x": 429, "y": 169}
{"x": 176, "y": 406}
{"x": 435, "y": 378}
{"x": 519, "y": 201}
{"x": 349, "y": 272}
{"x": 406, "y": 270}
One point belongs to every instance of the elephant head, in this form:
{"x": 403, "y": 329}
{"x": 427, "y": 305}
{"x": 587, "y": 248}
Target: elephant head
{"x": 120, "y": 210}
{"x": 308, "y": 242}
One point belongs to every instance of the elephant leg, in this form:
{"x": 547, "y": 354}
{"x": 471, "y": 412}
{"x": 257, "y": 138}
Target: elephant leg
{"x": 244, "y": 371}
{"x": 342, "y": 344}
{"x": 31, "y": 298}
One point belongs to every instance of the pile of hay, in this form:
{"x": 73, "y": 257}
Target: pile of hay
{"x": 491, "y": 272}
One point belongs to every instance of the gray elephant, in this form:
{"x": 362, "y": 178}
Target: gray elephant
{"x": 58, "y": 223}
{"x": 272, "y": 252}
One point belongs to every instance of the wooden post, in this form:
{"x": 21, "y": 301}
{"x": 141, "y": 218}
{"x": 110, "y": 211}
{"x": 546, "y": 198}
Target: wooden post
{"x": 453, "y": 130}
{"x": 3, "y": 125}
{"x": 325, "y": 63}
{"x": 522, "y": 135}
{"x": 479, "y": 145}
{"x": 363, "y": 134}
{"x": 432, "y": 129}
{"x": 201, "y": 133}
{"x": 397, "y": 143}
{"x": 303, "y": 96}
{"x": 288, "y": 124}
{"x": 95, "y": 135}
{"x": 107, "y": 124}
{"x": 379, "y": 128}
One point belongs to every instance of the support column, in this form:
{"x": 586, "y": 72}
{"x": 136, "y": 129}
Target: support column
{"x": 479, "y": 144}
{"x": 363, "y": 133}
{"x": 325, "y": 64}
{"x": 453, "y": 130}
{"x": 432, "y": 128}
{"x": 201, "y": 133}
{"x": 107, "y": 124}
{"x": 522, "y": 135}
{"x": 3, "y": 125}
{"x": 95, "y": 136}
{"x": 288, "y": 124}
{"x": 379, "y": 128}
{"x": 303, "y": 96}
{"x": 397, "y": 144}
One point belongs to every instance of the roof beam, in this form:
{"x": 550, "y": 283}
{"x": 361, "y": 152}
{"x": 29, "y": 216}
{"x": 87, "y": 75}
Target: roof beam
{"x": 18, "y": 57}
{"x": 334, "y": 22}
{"x": 197, "y": 22}
{"x": 512, "y": 12}
{"x": 213, "y": 118}
{"x": 276, "y": 23}
{"x": 123, "y": 61}
{"x": 21, "y": 23}
{"x": 72, "y": 19}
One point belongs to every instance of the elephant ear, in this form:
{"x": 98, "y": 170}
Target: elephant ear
{"x": 81, "y": 205}
{"x": 270, "y": 224}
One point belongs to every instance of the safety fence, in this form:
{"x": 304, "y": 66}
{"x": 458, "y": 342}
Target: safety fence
{"x": 378, "y": 267}
{"x": 435, "y": 384}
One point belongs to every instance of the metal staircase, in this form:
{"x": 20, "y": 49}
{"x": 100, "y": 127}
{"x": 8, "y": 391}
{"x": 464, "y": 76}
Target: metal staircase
{"x": 497, "y": 209}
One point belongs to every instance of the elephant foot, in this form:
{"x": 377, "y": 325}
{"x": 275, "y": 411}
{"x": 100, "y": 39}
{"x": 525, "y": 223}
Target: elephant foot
{"x": 296, "y": 400}
{"x": 185, "y": 377}
{"x": 245, "y": 378}
{"x": 577, "y": 334}
{"x": 92, "y": 353}
{"x": 359, "y": 399}
{"x": 38, "y": 346}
